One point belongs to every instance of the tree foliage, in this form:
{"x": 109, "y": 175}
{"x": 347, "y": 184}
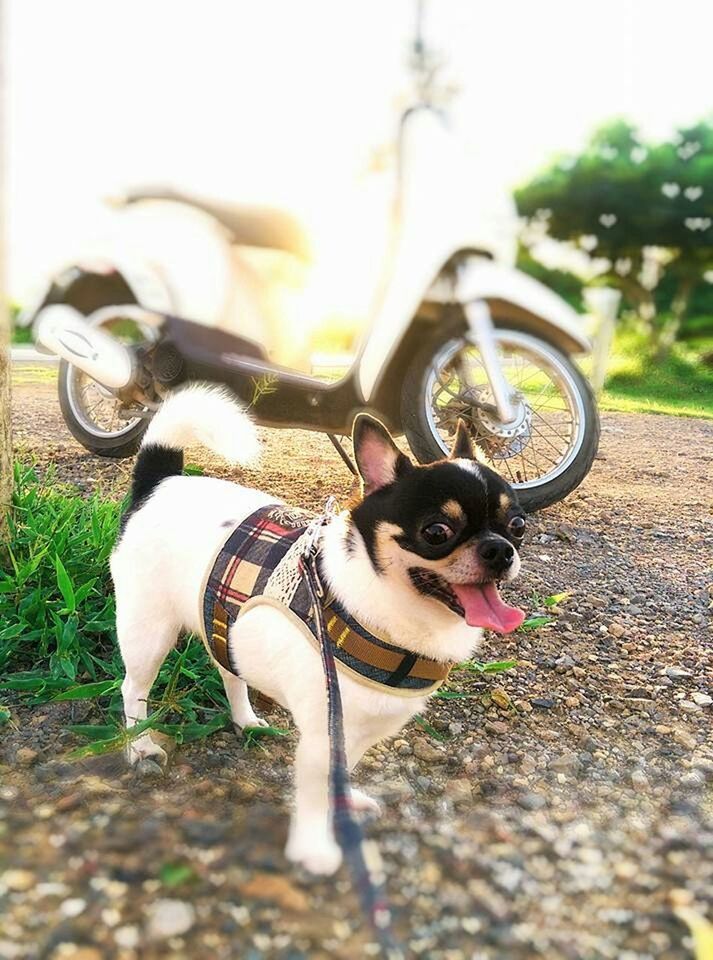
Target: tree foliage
{"x": 642, "y": 213}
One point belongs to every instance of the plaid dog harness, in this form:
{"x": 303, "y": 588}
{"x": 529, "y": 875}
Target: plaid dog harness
{"x": 260, "y": 564}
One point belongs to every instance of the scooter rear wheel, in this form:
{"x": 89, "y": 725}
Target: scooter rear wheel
{"x": 94, "y": 416}
{"x": 548, "y": 449}
{"x": 104, "y": 434}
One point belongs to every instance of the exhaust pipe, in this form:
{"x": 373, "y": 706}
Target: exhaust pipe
{"x": 64, "y": 331}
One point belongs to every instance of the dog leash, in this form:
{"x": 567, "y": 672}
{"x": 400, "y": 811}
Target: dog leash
{"x": 363, "y": 858}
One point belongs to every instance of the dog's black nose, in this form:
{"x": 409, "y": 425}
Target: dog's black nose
{"x": 496, "y": 553}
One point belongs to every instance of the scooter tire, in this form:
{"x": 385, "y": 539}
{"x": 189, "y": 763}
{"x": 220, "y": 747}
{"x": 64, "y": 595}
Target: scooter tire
{"x": 117, "y": 448}
{"x": 426, "y": 449}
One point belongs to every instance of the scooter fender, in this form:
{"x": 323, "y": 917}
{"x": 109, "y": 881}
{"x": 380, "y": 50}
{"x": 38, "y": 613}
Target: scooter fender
{"x": 145, "y": 285}
{"x": 510, "y": 293}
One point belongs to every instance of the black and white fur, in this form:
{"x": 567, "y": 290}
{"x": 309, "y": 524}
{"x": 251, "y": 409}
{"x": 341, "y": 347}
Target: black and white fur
{"x": 176, "y": 524}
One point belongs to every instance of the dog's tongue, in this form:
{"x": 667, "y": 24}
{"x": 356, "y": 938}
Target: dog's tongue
{"x": 484, "y": 608}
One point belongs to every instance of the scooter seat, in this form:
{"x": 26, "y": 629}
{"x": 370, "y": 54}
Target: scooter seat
{"x": 249, "y": 226}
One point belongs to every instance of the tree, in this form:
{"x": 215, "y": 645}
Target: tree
{"x": 5, "y": 437}
{"x": 640, "y": 213}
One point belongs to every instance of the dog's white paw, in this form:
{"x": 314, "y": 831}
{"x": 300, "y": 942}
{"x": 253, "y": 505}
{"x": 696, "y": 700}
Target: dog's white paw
{"x": 363, "y": 802}
{"x": 253, "y": 721}
{"x": 145, "y": 749}
{"x": 322, "y": 858}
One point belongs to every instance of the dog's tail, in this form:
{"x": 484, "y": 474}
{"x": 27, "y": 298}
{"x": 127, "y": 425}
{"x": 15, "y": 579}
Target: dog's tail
{"x": 198, "y": 414}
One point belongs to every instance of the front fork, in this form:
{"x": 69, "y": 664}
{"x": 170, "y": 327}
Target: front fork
{"x": 481, "y": 333}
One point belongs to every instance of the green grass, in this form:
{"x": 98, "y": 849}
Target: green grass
{"x": 21, "y": 335}
{"x": 682, "y": 385}
{"x": 57, "y": 631}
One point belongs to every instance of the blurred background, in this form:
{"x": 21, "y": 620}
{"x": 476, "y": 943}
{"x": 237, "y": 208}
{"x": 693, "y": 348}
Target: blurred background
{"x": 599, "y": 131}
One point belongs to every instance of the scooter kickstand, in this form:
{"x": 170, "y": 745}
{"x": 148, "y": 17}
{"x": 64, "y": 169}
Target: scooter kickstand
{"x": 342, "y": 453}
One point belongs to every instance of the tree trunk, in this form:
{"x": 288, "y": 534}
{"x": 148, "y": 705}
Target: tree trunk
{"x": 5, "y": 437}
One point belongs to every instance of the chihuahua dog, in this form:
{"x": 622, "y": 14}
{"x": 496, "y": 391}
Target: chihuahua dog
{"x": 416, "y": 560}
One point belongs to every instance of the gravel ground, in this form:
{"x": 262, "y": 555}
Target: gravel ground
{"x": 567, "y": 813}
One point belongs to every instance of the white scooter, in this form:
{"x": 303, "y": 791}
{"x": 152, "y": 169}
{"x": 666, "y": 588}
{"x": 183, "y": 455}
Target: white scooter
{"x": 455, "y": 331}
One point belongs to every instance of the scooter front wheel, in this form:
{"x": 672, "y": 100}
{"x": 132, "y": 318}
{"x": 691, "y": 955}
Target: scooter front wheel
{"x": 549, "y": 447}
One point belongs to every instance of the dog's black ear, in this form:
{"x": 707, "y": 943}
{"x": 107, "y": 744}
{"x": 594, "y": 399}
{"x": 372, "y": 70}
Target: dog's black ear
{"x": 462, "y": 445}
{"x": 379, "y": 460}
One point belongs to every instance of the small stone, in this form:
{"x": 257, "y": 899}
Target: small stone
{"x": 567, "y": 763}
{"x": 688, "y": 706}
{"x": 599, "y": 602}
{"x": 455, "y": 729}
{"x": 678, "y": 673}
{"x": 73, "y": 951}
{"x": 685, "y": 739}
{"x": 544, "y": 703}
{"x": 424, "y": 750}
{"x": 69, "y": 801}
{"x": 127, "y": 937}
{"x": 18, "y": 880}
{"x": 702, "y": 699}
{"x": 693, "y": 779}
{"x": 616, "y": 630}
{"x": 498, "y": 727}
{"x": 11, "y": 951}
{"x": 639, "y": 780}
{"x": 528, "y": 765}
{"x": 277, "y": 889}
{"x": 501, "y": 698}
{"x": 460, "y": 790}
{"x": 705, "y": 764}
{"x": 148, "y": 769}
{"x": 169, "y": 918}
{"x": 531, "y": 801}
{"x": 73, "y": 907}
{"x": 25, "y": 756}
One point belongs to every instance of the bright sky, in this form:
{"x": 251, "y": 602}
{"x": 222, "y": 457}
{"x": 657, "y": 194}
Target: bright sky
{"x": 284, "y": 101}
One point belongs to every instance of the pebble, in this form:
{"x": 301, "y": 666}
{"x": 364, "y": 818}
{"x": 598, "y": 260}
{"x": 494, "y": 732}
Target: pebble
{"x": 701, "y": 699}
{"x": 677, "y": 673}
{"x": 531, "y": 800}
{"x": 459, "y": 791}
{"x": 567, "y": 763}
{"x": 25, "y": 756}
{"x": 544, "y": 703}
{"x": 705, "y": 764}
{"x": 425, "y": 750}
{"x": 693, "y": 779}
{"x": 277, "y": 889}
{"x": 73, "y": 907}
{"x": 616, "y": 630}
{"x": 498, "y": 727}
{"x": 169, "y": 918}
{"x": 639, "y": 781}
{"x": 685, "y": 739}
{"x": 599, "y": 602}
{"x": 127, "y": 937}
{"x": 74, "y": 951}
{"x": 147, "y": 769}
{"x": 18, "y": 880}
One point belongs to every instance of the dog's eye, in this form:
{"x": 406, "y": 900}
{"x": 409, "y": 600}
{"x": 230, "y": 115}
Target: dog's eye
{"x": 517, "y": 527}
{"x": 437, "y": 533}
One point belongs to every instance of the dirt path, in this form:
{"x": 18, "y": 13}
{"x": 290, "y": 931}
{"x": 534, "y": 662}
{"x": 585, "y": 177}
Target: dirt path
{"x": 564, "y": 817}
